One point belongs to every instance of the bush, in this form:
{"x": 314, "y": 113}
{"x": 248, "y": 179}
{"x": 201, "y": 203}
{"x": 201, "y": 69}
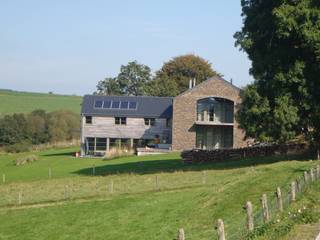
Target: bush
{"x": 25, "y": 160}
{"x": 118, "y": 152}
{"x": 18, "y": 147}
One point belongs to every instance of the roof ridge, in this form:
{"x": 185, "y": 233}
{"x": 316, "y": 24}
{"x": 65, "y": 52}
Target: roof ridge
{"x": 115, "y": 96}
{"x": 205, "y": 81}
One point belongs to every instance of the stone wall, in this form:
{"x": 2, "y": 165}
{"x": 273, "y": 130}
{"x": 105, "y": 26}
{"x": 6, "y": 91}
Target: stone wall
{"x": 185, "y": 112}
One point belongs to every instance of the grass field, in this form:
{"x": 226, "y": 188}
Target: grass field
{"x": 23, "y": 102}
{"x": 153, "y": 196}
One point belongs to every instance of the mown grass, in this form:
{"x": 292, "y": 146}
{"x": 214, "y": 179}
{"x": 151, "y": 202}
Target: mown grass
{"x": 192, "y": 197}
{"x": 24, "y": 102}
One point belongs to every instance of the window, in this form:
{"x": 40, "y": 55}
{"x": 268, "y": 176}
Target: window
{"x": 101, "y": 144}
{"x": 88, "y": 119}
{"x": 115, "y": 104}
{"x": 90, "y": 144}
{"x": 149, "y": 121}
{"x": 169, "y": 122}
{"x": 132, "y": 105}
{"x": 124, "y": 105}
{"x": 106, "y": 104}
{"x": 98, "y": 104}
{"x": 120, "y": 120}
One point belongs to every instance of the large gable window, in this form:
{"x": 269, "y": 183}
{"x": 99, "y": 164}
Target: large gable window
{"x": 217, "y": 110}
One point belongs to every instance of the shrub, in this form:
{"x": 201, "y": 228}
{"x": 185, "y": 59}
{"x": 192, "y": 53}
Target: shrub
{"x": 118, "y": 152}
{"x": 25, "y": 160}
{"x": 18, "y": 147}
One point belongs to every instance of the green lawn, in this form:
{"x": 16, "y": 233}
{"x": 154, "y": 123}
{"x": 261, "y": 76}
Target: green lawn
{"x": 192, "y": 197}
{"x": 23, "y": 102}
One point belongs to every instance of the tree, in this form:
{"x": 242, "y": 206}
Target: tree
{"x": 183, "y": 68}
{"x": 108, "y": 86}
{"x": 131, "y": 81}
{"x": 133, "y": 78}
{"x": 162, "y": 87}
{"x": 282, "y": 39}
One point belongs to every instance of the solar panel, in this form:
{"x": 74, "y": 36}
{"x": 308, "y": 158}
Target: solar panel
{"x": 106, "y": 104}
{"x": 98, "y": 104}
{"x": 124, "y": 105}
{"x": 115, "y": 104}
{"x": 132, "y": 105}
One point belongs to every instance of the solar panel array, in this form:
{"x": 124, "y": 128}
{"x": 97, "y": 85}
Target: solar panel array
{"x": 125, "y": 105}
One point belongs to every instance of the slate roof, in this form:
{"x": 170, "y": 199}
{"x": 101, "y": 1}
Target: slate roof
{"x": 153, "y": 107}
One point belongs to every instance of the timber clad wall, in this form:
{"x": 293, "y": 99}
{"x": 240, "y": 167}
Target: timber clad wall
{"x": 135, "y": 128}
{"x": 185, "y": 112}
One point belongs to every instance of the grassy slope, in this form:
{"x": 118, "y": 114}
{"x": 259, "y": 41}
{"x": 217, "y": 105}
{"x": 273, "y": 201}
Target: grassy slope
{"x": 296, "y": 223}
{"x": 184, "y": 200}
{"x": 22, "y": 102}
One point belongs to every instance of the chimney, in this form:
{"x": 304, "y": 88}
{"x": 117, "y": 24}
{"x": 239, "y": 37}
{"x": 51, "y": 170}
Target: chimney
{"x": 231, "y": 81}
{"x": 190, "y": 83}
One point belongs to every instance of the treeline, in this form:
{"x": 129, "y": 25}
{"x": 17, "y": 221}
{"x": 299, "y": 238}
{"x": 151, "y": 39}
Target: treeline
{"x": 18, "y": 132}
{"x": 135, "y": 79}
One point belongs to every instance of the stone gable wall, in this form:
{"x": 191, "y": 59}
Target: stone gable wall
{"x": 185, "y": 112}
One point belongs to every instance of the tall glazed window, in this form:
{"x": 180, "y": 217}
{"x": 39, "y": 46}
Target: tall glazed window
{"x": 215, "y": 110}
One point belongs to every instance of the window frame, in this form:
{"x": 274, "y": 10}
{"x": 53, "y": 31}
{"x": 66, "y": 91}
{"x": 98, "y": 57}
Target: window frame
{"x": 98, "y": 101}
{"x": 87, "y": 121}
{"x": 130, "y": 108}
{"x": 150, "y": 122}
{"x": 122, "y": 121}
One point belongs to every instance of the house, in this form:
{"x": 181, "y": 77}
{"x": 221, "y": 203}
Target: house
{"x": 201, "y": 117}
{"x": 124, "y": 122}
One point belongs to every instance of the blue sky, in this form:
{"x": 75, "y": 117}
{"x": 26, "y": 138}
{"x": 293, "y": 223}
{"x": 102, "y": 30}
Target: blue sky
{"x": 67, "y": 46}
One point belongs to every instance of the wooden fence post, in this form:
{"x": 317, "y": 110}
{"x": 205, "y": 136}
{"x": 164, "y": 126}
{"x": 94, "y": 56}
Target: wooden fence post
{"x": 4, "y": 178}
{"x": 265, "y": 208}
{"x": 279, "y": 199}
{"x": 293, "y": 191}
{"x": 298, "y": 184}
{"x": 181, "y": 234}
{"x": 49, "y": 172}
{"x": 250, "y": 224}
{"x": 312, "y": 175}
{"x": 220, "y": 230}
{"x": 305, "y": 175}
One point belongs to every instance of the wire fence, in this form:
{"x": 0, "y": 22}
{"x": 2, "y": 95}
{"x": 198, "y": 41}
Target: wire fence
{"x": 271, "y": 207}
{"x": 237, "y": 226}
{"x": 52, "y": 190}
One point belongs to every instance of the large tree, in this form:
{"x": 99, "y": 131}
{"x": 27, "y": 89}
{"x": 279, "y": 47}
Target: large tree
{"x": 131, "y": 81}
{"x": 108, "y": 86}
{"x": 282, "y": 39}
{"x": 183, "y": 68}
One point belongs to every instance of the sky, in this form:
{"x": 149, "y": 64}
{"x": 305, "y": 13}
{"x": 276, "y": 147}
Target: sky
{"x": 67, "y": 46}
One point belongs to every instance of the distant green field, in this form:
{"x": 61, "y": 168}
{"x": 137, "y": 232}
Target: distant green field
{"x": 23, "y": 102}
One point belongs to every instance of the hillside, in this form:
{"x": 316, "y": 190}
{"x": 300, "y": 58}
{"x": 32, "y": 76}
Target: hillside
{"x": 23, "y": 102}
{"x": 151, "y": 197}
